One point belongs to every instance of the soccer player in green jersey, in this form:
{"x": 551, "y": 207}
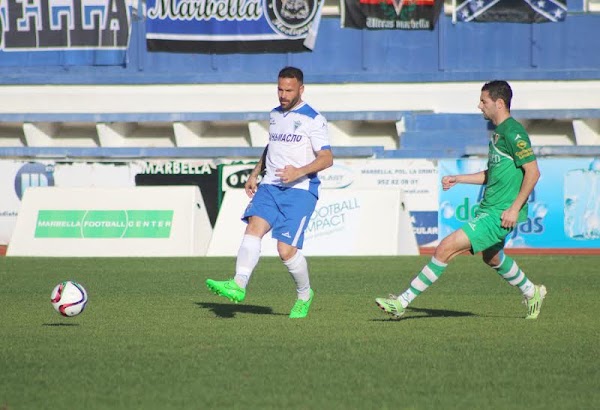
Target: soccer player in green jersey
{"x": 510, "y": 177}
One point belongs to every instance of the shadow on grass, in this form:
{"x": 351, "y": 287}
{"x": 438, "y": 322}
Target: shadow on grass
{"x": 228, "y": 310}
{"x": 426, "y": 313}
{"x": 59, "y": 324}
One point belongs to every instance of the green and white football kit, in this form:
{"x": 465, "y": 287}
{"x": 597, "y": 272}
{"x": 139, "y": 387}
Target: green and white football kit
{"x": 509, "y": 150}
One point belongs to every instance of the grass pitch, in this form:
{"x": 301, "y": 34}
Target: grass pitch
{"x": 153, "y": 337}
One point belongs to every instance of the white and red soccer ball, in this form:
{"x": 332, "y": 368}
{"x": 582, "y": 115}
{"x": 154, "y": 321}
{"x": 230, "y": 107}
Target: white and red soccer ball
{"x": 69, "y": 298}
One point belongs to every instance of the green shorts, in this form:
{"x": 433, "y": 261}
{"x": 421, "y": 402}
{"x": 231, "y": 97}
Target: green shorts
{"x": 485, "y": 231}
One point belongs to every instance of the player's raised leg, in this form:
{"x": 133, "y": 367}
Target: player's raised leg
{"x": 247, "y": 259}
{"x": 454, "y": 244}
{"x": 395, "y": 305}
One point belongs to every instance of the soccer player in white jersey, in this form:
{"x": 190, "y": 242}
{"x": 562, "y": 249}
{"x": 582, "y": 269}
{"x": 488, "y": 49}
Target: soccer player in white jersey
{"x": 287, "y": 195}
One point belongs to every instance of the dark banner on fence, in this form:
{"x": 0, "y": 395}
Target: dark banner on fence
{"x": 232, "y": 26}
{"x": 391, "y": 14}
{"x": 510, "y": 11}
{"x": 76, "y": 32}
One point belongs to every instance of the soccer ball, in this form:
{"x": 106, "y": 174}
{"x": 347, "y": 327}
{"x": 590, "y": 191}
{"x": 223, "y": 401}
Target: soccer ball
{"x": 69, "y": 298}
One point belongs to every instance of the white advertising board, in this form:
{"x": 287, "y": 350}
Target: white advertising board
{"x": 345, "y": 222}
{"x": 135, "y": 221}
{"x": 418, "y": 179}
{"x": 18, "y": 176}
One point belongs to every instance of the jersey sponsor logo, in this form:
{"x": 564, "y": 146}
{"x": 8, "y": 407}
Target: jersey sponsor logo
{"x": 285, "y": 137}
{"x": 521, "y": 144}
{"x": 524, "y": 153}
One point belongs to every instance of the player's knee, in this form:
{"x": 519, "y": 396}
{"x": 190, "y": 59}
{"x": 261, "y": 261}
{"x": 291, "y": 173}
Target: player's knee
{"x": 492, "y": 257}
{"x": 445, "y": 249}
{"x": 257, "y": 227}
{"x": 491, "y": 260}
{"x": 286, "y": 252}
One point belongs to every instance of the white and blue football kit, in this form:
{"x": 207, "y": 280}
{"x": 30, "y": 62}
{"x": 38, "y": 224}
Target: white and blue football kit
{"x": 294, "y": 138}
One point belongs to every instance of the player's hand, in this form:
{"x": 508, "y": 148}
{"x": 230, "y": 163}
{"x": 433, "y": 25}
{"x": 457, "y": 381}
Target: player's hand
{"x": 448, "y": 182}
{"x": 288, "y": 174}
{"x": 509, "y": 218}
{"x": 251, "y": 185}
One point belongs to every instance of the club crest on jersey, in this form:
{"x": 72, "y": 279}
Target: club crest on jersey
{"x": 292, "y": 18}
{"x": 297, "y": 124}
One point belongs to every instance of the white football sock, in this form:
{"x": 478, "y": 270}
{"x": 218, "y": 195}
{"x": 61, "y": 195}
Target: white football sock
{"x": 247, "y": 259}
{"x": 298, "y": 268}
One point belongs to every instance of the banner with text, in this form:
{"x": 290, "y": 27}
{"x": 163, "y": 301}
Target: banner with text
{"x": 18, "y": 176}
{"x": 232, "y": 26}
{"x": 417, "y": 178}
{"x": 346, "y": 222}
{"x": 390, "y": 14}
{"x": 66, "y": 32}
{"x": 564, "y": 208}
{"x": 136, "y": 221}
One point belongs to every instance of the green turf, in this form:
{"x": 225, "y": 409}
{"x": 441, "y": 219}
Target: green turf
{"x": 153, "y": 337}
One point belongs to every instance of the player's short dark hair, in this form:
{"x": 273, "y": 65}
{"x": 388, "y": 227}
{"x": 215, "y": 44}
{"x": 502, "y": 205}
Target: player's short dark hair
{"x": 499, "y": 89}
{"x": 292, "y": 72}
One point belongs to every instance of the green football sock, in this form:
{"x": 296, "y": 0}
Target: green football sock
{"x": 428, "y": 275}
{"x": 510, "y": 272}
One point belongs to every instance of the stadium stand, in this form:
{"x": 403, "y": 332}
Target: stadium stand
{"x": 389, "y": 93}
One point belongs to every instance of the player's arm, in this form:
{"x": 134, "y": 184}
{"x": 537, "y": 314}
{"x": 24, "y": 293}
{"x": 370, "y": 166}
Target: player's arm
{"x": 323, "y": 160}
{"x": 531, "y": 175}
{"x": 478, "y": 178}
{"x": 251, "y": 184}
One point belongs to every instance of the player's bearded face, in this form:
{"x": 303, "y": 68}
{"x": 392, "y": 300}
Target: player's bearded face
{"x": 289, "y": 91}
{"x": 487, "y": 106}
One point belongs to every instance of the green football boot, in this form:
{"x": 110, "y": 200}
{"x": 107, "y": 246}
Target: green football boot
{"x": 534, "y": 305}
{"x": 391, "y": 306}
{"x": 301, "y": 307}
{"x": 228, "y": 289}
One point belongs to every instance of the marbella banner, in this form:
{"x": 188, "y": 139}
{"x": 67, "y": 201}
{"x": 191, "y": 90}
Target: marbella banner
{"x": 510, "y": 11}
{"x": 73, "y": 32}
{"x": 107, "y": 222}
{"x": 232, "y": 26}
{"x": 390, "y": 14}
